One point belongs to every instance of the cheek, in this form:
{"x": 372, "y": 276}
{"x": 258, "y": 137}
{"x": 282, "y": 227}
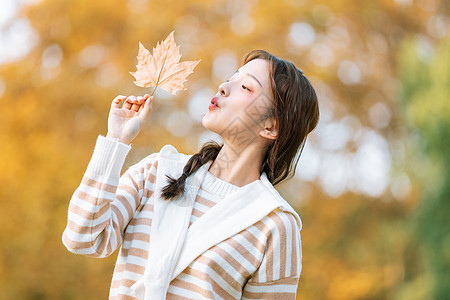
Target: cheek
{"x": 243, "y": 104}
{"x": 245, "y": 109}
{"x": 257, "y": 109}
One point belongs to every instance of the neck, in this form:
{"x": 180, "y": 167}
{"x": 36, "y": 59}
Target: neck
{"x": 238, "y": 167}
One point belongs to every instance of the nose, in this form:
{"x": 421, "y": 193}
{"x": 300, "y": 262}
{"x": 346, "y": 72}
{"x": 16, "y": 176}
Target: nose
{"x": 223, "y": 90}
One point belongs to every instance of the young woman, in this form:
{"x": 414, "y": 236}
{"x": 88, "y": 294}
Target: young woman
{"x": 209, "y": 225}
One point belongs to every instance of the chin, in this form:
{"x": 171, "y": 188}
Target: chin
{"x": 207, "y": 122}
{"x": 204, "y": 123}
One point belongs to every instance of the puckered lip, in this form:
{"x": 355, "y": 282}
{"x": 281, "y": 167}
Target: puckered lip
{"x": 214, "y": 101}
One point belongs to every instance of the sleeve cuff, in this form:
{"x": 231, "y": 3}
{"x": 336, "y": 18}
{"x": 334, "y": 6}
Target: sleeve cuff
{"x": 108, "y": 157}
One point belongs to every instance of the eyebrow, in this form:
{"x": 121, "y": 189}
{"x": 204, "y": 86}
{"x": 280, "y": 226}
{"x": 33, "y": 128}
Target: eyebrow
{"x": 251, "y": 75}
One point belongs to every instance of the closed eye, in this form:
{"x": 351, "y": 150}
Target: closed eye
{"x": 246, "y": 88}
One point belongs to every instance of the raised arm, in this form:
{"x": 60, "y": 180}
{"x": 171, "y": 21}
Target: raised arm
{"x": 104, "y": 203}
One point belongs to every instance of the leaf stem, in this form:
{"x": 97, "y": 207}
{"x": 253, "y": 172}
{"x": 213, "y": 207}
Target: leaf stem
{"x": 153, "y": 91}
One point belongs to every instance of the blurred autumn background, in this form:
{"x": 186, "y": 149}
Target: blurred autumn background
{"x": 373, "y": 183}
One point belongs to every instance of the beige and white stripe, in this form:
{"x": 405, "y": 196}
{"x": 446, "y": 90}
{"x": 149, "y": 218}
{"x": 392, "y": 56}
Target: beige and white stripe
{"x": 108, "y": 211}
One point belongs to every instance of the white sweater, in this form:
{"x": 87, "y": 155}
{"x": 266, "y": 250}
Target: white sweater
{"x": 219, "y": 241}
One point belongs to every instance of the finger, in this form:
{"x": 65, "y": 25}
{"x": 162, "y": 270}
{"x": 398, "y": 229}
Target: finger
{"x": 141, "y": 107}
{"x": 140, "y": 100}
{"x": 147, "y": 108}
{"x": 129, "y": 102}
{"x": 116, "y": 102}
{"x": 135, "y": 107}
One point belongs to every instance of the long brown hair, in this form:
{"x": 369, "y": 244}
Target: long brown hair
{"x": 296, "y": 111}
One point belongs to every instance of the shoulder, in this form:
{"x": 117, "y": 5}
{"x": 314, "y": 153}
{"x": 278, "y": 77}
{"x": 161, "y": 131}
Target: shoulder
{"x": 283, "y": 254}
{"x": 170, "y": 152}
{"x": 153, "y": 160}
{"x": 280, "y": 223}
{"x": 166, "y": 152}
{"x": 284, "y": 206}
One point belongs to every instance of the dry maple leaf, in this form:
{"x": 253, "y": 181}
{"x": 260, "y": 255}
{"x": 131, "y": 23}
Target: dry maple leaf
{"x": 162, "y": 69}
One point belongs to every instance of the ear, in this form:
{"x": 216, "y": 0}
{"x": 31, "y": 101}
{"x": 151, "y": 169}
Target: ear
{"x": 270, "y": 129}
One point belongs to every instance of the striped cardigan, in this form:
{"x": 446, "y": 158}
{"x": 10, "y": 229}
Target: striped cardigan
{"x": 108, "y": 211}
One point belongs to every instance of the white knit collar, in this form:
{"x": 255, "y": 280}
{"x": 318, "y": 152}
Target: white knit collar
{"x": 217, "y": 186}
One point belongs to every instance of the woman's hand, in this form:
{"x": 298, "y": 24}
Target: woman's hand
{"x": 124, "y": 123}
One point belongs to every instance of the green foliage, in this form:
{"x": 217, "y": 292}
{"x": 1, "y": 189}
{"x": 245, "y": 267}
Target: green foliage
{"x": 426, "y": 85}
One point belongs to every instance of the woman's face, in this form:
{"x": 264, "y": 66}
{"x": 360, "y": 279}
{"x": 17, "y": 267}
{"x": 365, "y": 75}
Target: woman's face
{"x": 242, "y": 103}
